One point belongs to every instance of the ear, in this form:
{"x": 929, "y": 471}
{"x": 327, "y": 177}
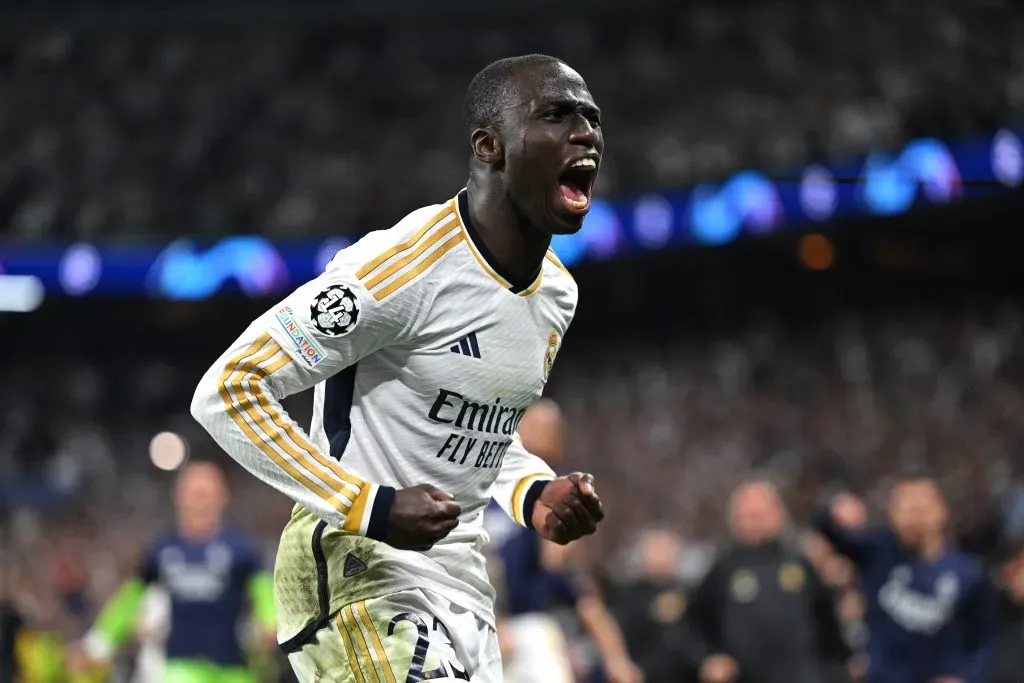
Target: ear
{"x": 487, "y": 145}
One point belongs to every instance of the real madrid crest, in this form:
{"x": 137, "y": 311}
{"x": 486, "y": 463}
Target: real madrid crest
{"x": 552, "y": 351}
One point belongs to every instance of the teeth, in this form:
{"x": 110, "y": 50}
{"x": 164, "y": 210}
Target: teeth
{"x": 584, "y": 163}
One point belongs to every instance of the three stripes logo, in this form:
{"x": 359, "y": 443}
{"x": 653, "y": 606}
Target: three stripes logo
{"x": 467, "y": 346}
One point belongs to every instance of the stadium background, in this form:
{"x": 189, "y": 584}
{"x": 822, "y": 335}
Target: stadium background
{"x": 805, "y": 261}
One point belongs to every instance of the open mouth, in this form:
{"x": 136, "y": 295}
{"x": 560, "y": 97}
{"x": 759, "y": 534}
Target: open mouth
{"x": 576, "y": 184}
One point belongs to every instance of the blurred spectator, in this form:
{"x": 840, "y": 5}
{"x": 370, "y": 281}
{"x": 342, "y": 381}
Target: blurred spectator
{"x": 650, "y": 607}
{"x": 538, "y": 578}
{"x": 762, "y": 614}
{"x": 931, "y": 615}
{"x": 1008, "y": 660}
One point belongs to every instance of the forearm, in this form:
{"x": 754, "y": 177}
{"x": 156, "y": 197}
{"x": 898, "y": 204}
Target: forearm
{"x": 602, "y": 628}
{"x": 522, "y": 477}
{"x": 116, "y": 621}
{"x": 238, "y": 402}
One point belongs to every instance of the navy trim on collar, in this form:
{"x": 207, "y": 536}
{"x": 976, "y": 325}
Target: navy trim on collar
{"x": 518, "y": 285}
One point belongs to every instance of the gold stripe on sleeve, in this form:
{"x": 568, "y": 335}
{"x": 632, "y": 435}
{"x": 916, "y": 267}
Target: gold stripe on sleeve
{"x": 232, "y": 380}
{"x": 411, "y": 274}
{"x": 449, "y": 208}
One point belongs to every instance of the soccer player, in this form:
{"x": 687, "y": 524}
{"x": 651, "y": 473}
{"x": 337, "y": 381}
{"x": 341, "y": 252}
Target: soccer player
{"x": 209, "y": 572}
{"x": 535, "y": 584}
{"x": 425, "y": 343}
{"x": 931, "y": 611}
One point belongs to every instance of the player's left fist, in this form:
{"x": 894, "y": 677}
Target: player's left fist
{"x": 567, "y": 509}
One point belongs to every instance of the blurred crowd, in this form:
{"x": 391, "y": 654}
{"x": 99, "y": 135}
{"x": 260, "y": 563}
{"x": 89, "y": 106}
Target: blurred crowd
{"x": 668, "y": 432}
{"x": 296, "y": 129}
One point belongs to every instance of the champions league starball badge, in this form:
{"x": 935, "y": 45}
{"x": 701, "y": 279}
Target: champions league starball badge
{"x": 335, "y": 311}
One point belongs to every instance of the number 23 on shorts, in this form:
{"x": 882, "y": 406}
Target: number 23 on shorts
{"x": 421, "y": 643}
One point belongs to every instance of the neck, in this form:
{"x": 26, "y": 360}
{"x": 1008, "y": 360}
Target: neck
{"x": 198, "y": 533}
{"x": 931, "y": 547}
{"x": 518, "y": 245}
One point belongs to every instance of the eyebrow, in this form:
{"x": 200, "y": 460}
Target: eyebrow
{"x": 585, "y": 106}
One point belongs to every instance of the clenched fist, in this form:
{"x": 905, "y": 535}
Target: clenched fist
{"x": 567, "y": 509}
{"x": 420, "y": 517}
{"x": 848, "y": 512}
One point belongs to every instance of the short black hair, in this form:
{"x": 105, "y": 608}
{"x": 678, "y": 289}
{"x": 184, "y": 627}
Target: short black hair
{"x": 489, "y": 92}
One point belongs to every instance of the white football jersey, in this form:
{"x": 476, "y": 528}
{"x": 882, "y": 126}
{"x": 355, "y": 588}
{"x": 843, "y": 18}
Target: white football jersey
{"x": 424, "y": 359}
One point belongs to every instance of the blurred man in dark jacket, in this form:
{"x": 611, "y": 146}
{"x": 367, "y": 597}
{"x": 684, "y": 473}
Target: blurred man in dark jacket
{"x": 762, "y": 614}
{"x": 651, "y": 607}
{"x": 1008, "y": 661}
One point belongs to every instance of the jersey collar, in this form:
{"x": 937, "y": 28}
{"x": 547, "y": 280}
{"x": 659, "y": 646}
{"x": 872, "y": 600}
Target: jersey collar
{"x": 486, "y": 258}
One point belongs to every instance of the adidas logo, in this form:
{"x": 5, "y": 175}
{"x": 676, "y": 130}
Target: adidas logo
{"x": 467, "y": 346}
{"x": 353, "y": 566}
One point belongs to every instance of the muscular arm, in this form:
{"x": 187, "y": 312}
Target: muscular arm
{"x": 353, "y": 310}
{"x": 520, "y": 481}
{"x": 285, "y": 351}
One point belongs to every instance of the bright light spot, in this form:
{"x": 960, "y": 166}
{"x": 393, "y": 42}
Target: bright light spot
{"x": 601, "y": 232}
{"x": 1008, "y": 158}
{"x": 818, "y": 193}
{"x": 80, "y": 268}
{"x": 328, "y": 250}
{"x": 653, "y": 218}
{"x": 21, "y": 293}
{"x": 168, "y": 451}
{"x": 816, "y": 252}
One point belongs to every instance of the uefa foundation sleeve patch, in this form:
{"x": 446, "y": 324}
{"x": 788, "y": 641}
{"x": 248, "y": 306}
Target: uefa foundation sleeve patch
{"x": 308, "y": 349}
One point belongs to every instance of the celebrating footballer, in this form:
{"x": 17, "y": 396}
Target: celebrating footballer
{"x": 426, "y": 343}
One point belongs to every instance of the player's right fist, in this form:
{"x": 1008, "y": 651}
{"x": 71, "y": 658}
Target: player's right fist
{"x": 848, "y": 512}
{"x": 420, "y": 517}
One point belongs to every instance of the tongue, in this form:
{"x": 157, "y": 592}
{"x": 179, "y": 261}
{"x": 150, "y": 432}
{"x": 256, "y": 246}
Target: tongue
{"x": 575, "y": 198}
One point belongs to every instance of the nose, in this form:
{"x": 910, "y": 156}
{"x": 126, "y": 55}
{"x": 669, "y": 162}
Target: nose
{"x": 583, "y": 133}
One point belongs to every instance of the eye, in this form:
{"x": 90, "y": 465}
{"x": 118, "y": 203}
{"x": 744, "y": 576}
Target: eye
{"x": 554, "y": 115}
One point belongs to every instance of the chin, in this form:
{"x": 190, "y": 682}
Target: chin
{"x": 566, "y": 223}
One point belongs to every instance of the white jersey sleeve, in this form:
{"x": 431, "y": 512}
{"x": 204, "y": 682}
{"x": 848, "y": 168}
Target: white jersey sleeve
{"x": 522, "y": 477}
{"x": 322, "y": 328}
